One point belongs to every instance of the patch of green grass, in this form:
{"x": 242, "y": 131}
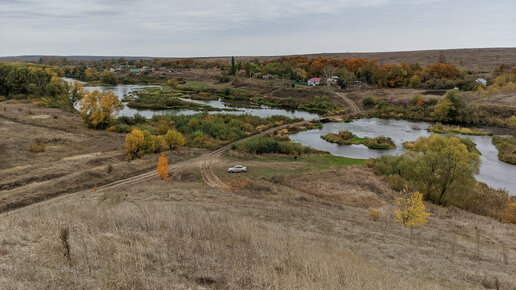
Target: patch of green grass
{"x": 318, "y": 161}
{"x": 198, "y": 85}
{"x": 325, "y": 161}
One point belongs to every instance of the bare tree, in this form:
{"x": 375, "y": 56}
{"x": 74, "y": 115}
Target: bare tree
{"x": 442, "y": 57}
{"x": 328, "y": 72}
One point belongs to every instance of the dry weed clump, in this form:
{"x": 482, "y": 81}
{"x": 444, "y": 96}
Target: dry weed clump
{"x": 64, "y": 236}
{"x": 237, "y": 185}
{"x": 374, "y": 214}
{"x": 37, "y": 147}
{"x": 157, "y": 245}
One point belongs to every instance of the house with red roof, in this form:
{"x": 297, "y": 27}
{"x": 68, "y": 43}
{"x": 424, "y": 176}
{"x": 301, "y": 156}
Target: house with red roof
{"x": 314, "y": 81}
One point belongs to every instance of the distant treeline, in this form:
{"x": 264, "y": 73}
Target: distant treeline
{"x": 440, "y": 75}
{"x": 42, "y": 82}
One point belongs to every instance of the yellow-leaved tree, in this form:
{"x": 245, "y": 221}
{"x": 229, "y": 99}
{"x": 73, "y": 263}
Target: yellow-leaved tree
{"x": 175, "y": 140}
{"x": 162, "y": 167}
{"x": 411, "y": 211}
{"x": 99, "y": 109}
{"x": 133, "y": 142}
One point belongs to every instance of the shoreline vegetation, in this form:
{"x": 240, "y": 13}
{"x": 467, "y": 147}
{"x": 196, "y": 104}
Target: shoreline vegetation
{"x": 440, "y": 128}
{"x": 506, "y": 148}
{"x": 347, "y": 138}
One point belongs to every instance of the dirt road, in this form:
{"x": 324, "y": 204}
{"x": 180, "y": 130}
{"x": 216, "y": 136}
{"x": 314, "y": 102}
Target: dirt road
{"x": 354, "y": 107}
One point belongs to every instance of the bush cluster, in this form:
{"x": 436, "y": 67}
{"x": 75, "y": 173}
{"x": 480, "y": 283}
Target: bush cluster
{"x": 265, "y": 144}
{"x": 139, "y": 143}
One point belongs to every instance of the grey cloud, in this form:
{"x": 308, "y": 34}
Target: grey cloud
{"x": 202, "y": 27}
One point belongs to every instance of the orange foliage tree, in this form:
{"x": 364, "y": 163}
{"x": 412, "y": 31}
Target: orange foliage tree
{"x": 442, "y": 71}
{"x": 162, "y": 167}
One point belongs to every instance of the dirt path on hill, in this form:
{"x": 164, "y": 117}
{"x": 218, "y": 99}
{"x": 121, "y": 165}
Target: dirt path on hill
{"x": 352, "y": 105}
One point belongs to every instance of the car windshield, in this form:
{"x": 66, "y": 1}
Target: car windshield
{"x": 239, "y": 166}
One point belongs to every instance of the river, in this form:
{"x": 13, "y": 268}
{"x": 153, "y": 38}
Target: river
{"x": 259, "y": 110}
{"x": 495, "y": 173}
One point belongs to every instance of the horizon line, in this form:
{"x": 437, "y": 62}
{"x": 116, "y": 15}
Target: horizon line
{"x": 244, "y": 56}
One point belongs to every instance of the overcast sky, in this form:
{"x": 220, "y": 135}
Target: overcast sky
{"x": 185, "y": 28}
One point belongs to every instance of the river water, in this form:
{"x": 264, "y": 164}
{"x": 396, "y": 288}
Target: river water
{"x": 495, "y": 173}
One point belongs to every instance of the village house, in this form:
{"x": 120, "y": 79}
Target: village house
{"x": 332, "y": 80}
{"x": 314, "y": 81}
{"x": 481, "y": 81}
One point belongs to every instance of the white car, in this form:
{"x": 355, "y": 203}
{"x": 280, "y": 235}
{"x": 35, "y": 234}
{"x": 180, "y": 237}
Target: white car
{"x": 237, "y": 169}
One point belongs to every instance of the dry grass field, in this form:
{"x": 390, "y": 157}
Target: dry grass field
{"x": 74, "y": 156}
{"x": 293, "y": 225}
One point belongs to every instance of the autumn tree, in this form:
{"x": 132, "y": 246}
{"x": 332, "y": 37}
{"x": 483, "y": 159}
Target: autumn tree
{"x": 175, "y": 140}
{"x": 91, "y": 74}
{"x": 451, "y": 108}
{"x": 162, "y": 167}
{"x": 328, "y": 72}
{"x": 345, "y": 77}
{"x": 160, "y": 144}
{"x": 108, "y": 77}
{"x": 133, "y": 142}
{"x": 99, "y": 109}
{"x": 411, "y": 211}
{"x": 76, "y": 93}
{"x": 440, "y": 167}
{"x": 149, "y": 144}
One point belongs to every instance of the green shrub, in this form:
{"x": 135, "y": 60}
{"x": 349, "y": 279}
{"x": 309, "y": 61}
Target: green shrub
{"x": 388, "y": 165}
{"x": 122, "y": 128}
{"x": 395, "y": 181}
{"x": 264, "y": 144}
{"x": 382, "y": 103}
{"x": 369, "y": 101}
